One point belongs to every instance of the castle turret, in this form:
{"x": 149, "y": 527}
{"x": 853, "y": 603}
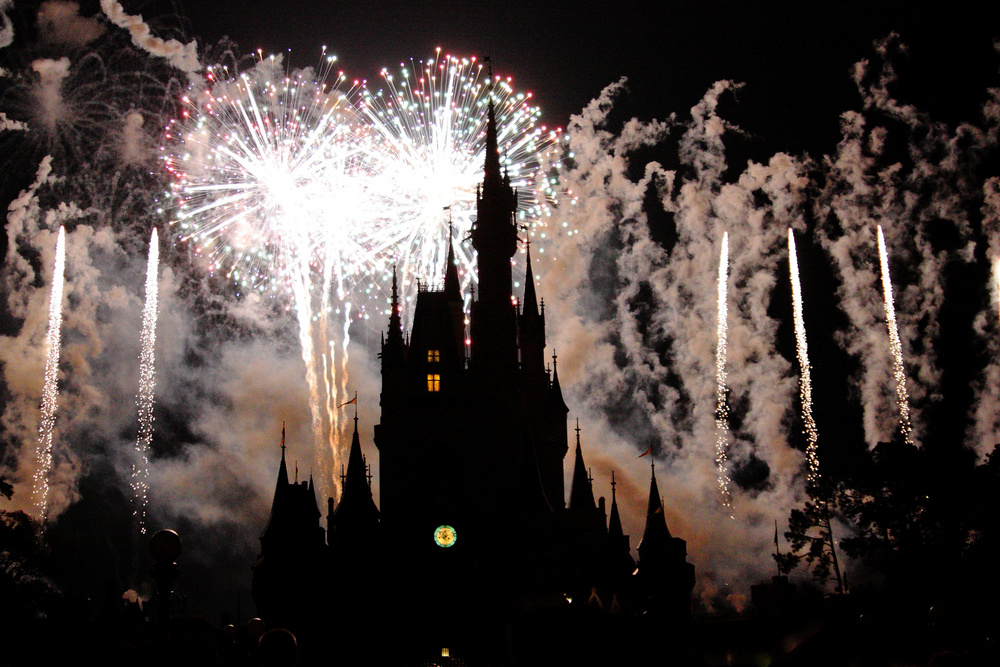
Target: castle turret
{"x": 665, "y": 578}
{"x": 494, "y": 237}
{"x": 292, "y": 552}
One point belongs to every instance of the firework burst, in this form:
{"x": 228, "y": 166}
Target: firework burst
{"x": 429, "y": 122}
{"x": 273, "y": 188}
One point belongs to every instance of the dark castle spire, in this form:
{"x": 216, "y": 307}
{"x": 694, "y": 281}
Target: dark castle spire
{"x": 491, "y": 170}
{"x": 452, "y": 287}
{"x": 554, "y": 400}
{"x": 530, "y": 304}
{"x": 494, "y": 238}
{"x": 395, "y": 322}
{"x": 356, "y": 513}
{"x": 615, "y": 531}
{"x": 581, "y": 495}
{"x": 656, "y": 532}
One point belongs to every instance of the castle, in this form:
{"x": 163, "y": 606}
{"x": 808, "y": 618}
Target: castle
{"x": 474, "y": 554}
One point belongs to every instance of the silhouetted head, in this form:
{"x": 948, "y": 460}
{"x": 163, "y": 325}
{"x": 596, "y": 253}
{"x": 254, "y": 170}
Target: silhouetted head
{"x": 278, "y": 648}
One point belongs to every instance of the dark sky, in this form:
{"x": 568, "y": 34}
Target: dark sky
{"x": 794, "y": 56}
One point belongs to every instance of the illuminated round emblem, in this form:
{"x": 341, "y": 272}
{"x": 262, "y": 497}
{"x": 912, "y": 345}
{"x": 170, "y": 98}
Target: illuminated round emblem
{"x": 445, "y": 536}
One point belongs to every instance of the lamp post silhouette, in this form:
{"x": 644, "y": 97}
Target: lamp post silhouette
{"x": 165, "y": 548}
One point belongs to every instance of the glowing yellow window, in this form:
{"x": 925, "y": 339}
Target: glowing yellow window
{"x": 433, "y": 382}
{"x": 433, "y": 356}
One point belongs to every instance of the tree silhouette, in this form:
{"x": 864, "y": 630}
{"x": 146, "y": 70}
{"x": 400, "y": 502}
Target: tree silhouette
{"x": 810, "y": 534}
{"x": 25, "y": 591}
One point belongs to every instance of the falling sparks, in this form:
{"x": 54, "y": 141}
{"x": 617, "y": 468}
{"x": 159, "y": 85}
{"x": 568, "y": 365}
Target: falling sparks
{"x": 147, "y": 384}
{"x": 805, "y": 381}
{"x": 50, "y": 391}
{"x": 273, "y": 184}
{"x": 894, "y": 344}
{"x": 721, "y": 404}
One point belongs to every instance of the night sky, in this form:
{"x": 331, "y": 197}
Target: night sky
{"x": 630, "y": 297}
{"x": 794, "y": 57}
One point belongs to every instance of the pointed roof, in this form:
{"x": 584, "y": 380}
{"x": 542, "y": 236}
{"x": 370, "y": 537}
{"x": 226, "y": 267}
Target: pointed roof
{"x": 656, "y": 535}
{"x": 356, "y": 480}
{"x": 357, "y": 508}
{"x": 615, "y": 531}
{"x": 286, "y": 499}
{"x": 492, "y": 167}
{"x": 452, "y": 288}
{"x": 554, "y": 401}
{"x": 581, "y": 494}
{"x": 282, "y": 467}
{"x": 392, "y": 345}
{"x": 530, "y": 299}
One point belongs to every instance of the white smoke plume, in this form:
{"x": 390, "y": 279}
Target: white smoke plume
{"x": 986, "y": 413}
{"x": 645, "y": 360}
{"x": 182, "y": 56}
{"x": 59, "y": 22}
{"x": 6, "y": 27}
{"x": 912, "y": 176}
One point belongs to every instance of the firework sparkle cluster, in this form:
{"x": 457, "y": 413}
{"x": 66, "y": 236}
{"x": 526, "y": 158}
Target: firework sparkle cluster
{"x": 273, "y": 168}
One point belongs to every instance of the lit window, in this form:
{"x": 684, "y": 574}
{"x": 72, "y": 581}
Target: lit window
{"x": 433, "y": 382}
{"x": 433, "y": 356}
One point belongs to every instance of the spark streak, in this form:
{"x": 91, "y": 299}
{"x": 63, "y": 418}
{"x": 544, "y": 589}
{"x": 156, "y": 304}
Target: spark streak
{"x": 50, "y": 391}
{"x": 805, "y": 380}
{"x": 721, "y": 404}
{"x": 147, "y": 385}
{"x": 894, "y": 343}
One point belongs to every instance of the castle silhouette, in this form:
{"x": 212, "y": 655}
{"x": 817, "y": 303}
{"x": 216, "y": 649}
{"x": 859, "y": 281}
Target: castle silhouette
{"x": 474, "y": 557}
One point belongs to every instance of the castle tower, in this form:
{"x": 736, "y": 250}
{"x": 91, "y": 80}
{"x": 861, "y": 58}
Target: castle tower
{"x": 494, "y": 237}
{"x": 665, "y": 578}
{"x": 292, "y": 553}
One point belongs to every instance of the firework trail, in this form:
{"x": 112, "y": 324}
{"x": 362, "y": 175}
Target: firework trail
{"x": 430, "y": 124}
{"x": 801, "y": 348}
{"x": 50, "y": 391}
{"x": 721, "y": 404}
{"x": 147, "y": 384}
{"x": 894, "y": 343}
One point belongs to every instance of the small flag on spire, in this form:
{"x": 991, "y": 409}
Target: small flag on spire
{"x": 647, "y": 452}
{"x": 350, "y": 402}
